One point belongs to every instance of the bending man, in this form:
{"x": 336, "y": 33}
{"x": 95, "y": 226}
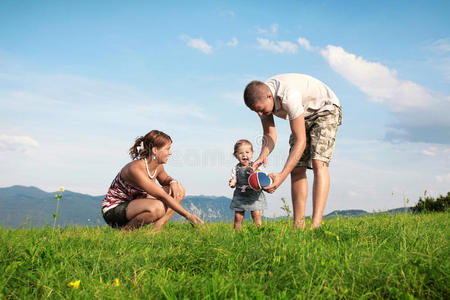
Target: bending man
{"x": 314, "y": 114}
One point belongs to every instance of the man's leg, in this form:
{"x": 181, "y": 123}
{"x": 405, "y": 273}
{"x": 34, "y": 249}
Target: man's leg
{"x": 299, "y": 192}
{"x": 321, "y": 187}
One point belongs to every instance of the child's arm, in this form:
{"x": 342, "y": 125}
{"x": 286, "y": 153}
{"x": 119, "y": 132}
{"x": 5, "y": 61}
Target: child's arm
{"x": 232, "y": 182}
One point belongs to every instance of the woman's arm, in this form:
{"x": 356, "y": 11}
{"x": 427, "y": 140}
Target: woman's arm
{"x": 163, "y": 178}
{"x": 137, "y": 176}
{"x": 175, "y": 189}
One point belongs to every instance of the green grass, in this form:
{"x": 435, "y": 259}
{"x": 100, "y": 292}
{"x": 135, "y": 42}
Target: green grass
{"x": 375, "y": 257}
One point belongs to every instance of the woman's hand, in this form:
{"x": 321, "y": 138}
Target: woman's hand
{"x": 175, "y": 190}
{"x": 194, "y": 220}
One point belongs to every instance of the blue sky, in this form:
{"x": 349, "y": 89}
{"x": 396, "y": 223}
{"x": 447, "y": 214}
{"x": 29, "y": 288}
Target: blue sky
{"x": 80, "y": 80}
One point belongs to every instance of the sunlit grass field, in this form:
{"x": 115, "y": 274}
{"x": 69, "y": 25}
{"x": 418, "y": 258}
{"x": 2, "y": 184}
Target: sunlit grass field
{"x": 374, "y": 257}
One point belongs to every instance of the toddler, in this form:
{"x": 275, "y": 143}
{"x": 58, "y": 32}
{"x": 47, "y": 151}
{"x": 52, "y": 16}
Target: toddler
{"x": 244, "y": 197}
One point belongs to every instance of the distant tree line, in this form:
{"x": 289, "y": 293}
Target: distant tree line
{"x": 429, "y": 204}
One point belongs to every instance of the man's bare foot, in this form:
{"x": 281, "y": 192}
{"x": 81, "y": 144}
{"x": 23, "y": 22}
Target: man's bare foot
{"x": 299, "y": 224}
{"x": 315, "y": 226}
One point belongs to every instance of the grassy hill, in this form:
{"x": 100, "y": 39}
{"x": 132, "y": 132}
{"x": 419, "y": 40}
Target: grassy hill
{"x": 373, "y": 257}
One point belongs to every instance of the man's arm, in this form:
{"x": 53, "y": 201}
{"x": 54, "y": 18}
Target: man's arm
{"x": 268, "y": 142}
{"x": 299, "y": 134}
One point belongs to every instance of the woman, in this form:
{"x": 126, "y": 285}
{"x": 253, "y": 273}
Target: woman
{"x": 134, "y": 199}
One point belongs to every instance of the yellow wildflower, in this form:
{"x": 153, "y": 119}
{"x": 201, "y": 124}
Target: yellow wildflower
{"x": 116, "y": 282}
{"x": 61, "y": 189}
{"x": 74, "y": 284}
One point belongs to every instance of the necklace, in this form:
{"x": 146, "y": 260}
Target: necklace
{"x": 148, "y": 171}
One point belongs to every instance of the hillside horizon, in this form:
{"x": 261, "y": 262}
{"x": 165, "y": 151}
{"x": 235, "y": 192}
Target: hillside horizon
{"x": 30, "y": 206}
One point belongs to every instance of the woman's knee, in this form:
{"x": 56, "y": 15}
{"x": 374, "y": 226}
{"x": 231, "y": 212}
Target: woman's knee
{"x": 155, "y": 211}
{"x": 183, "y": 192}
{"x": 145, "y": 218}
{"x": 180, "y": 196}
{"x": 159, "y": 210}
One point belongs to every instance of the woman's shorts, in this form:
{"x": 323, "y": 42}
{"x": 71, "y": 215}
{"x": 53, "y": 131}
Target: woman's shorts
{"x": 116, "y": 217}
{"x": 321, "y": 129}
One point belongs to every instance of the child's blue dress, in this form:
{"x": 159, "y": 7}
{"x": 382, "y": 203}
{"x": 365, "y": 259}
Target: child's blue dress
{"x": 244, "y": 197}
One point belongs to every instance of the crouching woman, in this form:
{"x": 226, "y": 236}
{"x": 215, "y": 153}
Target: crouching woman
{"x": 134, "y": 199}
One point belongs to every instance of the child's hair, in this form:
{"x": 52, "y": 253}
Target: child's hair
{"x": 240, "y": 143}
{"x": 143, "y": 145}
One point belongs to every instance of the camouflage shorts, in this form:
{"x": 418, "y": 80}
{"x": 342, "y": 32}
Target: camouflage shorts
{"x": 321, "y": 129}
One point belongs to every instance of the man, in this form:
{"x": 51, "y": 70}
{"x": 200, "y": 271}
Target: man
{"x": 314, "y": 113}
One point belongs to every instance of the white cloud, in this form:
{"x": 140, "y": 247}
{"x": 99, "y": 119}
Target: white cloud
{"x": 233, "y": 43}
{"x": 277, "y": 46}
{"x": 428, "y": 152}
{"x": 444, "y": 178}
{"x": 441, "y": 45}
{"x": 22, "y": 144}
{"x": 260, "y": 30}
{"x": 304, "y": 43}
{"x": 77, "y": 101}
{"x": 441, "y": 55}
{"x": 274, "y": 28}
{"x": 419, "y": 115}
{"x": 228, "y": 13}
{"x": 234, "y": 97}
{"x": 438, "y": 151}
{"x": 169, "y": 111}
{"x": 197, "y": 43}
{"x": 377, "y": 81}
{"x": 445, "y": 66}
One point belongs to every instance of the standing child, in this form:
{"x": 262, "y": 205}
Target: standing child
{"x": 244, "y": 197}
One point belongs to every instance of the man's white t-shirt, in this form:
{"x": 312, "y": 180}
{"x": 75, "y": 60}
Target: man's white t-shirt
{"x": 296, "y": 94}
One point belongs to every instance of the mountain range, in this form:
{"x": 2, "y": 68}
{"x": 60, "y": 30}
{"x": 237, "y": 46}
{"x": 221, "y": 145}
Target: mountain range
{"x": 32, "y": 207}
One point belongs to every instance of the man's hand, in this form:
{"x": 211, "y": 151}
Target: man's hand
{"x": 262, "y": 160}
{"x": 277, "y": 179}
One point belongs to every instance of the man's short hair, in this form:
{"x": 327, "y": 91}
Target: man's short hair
{"x": 253, "y": 92}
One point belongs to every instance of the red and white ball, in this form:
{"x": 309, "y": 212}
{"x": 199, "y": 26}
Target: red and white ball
{"x": 258, "y": 180}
